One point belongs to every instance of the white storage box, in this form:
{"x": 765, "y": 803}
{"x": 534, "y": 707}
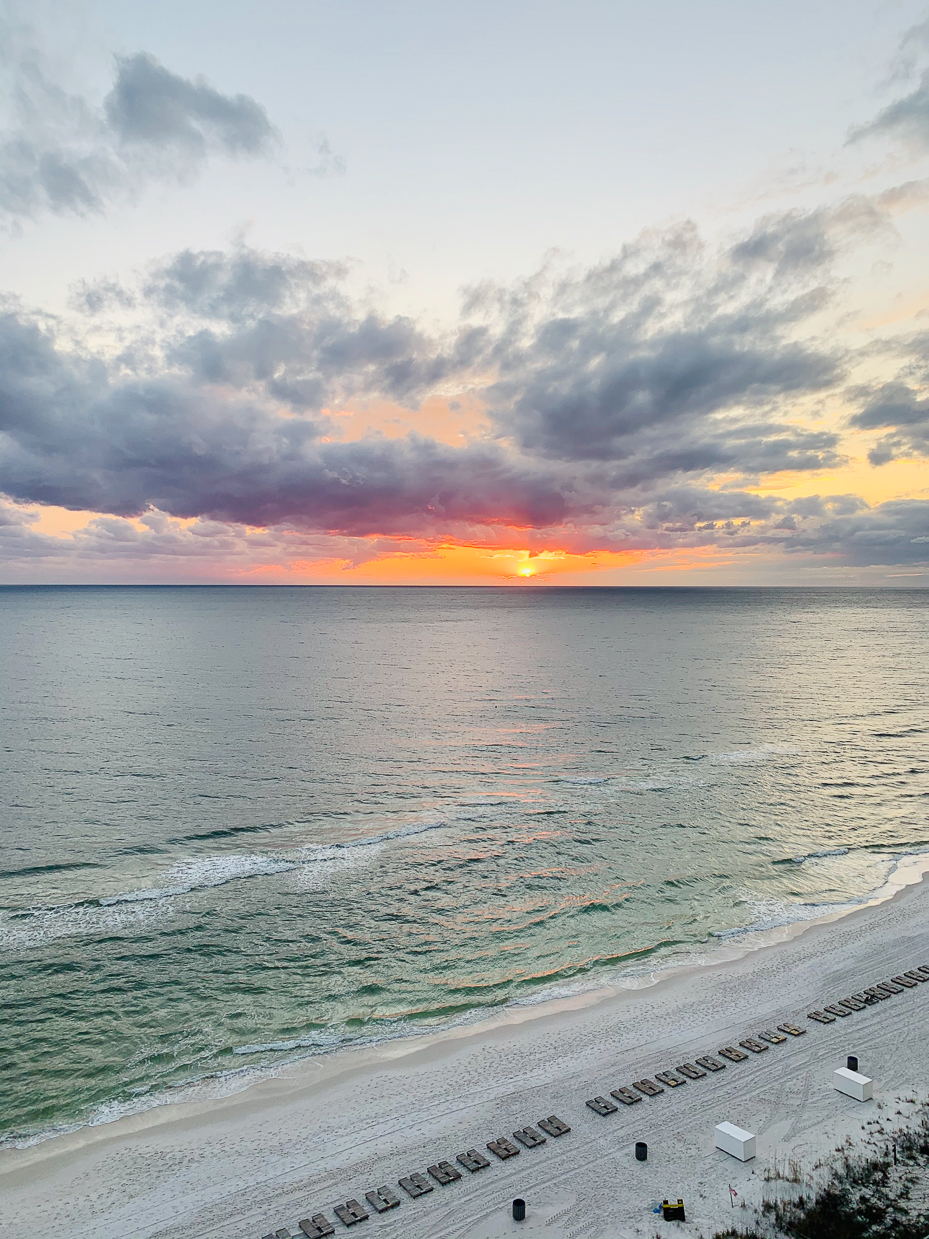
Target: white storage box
{"x": 735, "y": 1141}
{"x": 852, "y": 1084}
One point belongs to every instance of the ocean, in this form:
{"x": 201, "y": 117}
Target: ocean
{"x": 244, "y": 825}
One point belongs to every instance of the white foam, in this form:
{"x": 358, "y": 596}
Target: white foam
{"x": 114, "y": 913}
{"x": 202, "y": 873}
{"x": 204, "y": 1088}
{"x": 325, "y": 1041}
{"x": 799, "y": 860}
{"x": 764, "y": 753}
{"x": 25, "y": 930}
{"x": 777, "y": 913}
{"x": 386, "y": 1030}
{"x": 402, "y": 832}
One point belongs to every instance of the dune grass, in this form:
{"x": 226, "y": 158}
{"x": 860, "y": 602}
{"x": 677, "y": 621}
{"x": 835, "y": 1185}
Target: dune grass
{"x": 875, "y": 1189}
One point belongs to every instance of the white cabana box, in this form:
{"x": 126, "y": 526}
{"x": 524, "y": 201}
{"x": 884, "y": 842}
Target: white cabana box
{"x": 735, "y": 1141}
{"x": 852, "y": 1084}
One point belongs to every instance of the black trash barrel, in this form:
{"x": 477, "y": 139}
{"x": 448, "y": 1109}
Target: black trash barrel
{"x": 519, "y": 1210}
{"x": 641, "y": 1151}
{"x": 851, "y": 1062}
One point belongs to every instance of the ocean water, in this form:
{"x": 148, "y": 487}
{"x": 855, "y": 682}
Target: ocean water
{"x": 244, "y": 825}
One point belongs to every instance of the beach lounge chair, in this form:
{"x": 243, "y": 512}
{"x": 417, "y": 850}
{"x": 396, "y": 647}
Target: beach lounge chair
{"x": 350, "y": 1213}
{"x": 473, "y": 1161}
{"x": 317, "y": 1227}
{"x": 669, "y": 1078}
{"x": 775, "y": 1038}
{"x": 711, "y": 1064}
{"x": 869, "y": 999}
{"x": 924, "y": 968}
{"x": 734, "y": 1055}
{"x": 503, "y": 1148}
{"x": 283, "y": 1233}
{"x": 529, "y": 1137}
{"x": 444, "y": 1172}
{"x": 600, "y": 1105}
{"x": 905, "y": 981}
{"x": 626, "y": 1096}
{"x": 841, "y": 1012}
{"x": 691, "y": 1071}
{"x": 416, "y": 1185}
{"x": 890, "y": 987}
{"x": 553, "y": 1126}
{"x": 756, "y": 1047}
{"x": 916, "y": 976}
{"x": 382, "y": 1199}
{"x": 821, "y": 1017}
{"x": 792, "y": 1030}
{"x": 853, "y": 1004}
{"x": 880, "y": 994}
{"x": 648, "y": 1087}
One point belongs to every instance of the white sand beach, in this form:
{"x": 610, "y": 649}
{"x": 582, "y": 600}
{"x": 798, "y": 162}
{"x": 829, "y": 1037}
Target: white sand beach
{"x": 331, "y": 1128}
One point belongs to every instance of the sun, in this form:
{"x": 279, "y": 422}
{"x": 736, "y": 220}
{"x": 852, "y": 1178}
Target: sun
{"x": 526, "y": 571}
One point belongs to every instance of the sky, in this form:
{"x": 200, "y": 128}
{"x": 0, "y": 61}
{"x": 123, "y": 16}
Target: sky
{"x": 515, "y": 293}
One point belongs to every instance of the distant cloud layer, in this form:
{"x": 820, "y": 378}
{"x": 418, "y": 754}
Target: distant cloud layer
{"x": 61, "y": 154}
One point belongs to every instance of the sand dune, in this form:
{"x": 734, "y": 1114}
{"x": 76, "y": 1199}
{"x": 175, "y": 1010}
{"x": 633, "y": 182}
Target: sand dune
{"x": 332, "y": 1128}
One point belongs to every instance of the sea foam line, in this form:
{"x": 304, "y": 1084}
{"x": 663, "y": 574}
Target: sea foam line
{"x": 201, "y": 874}
{"x": 33, "y": 926}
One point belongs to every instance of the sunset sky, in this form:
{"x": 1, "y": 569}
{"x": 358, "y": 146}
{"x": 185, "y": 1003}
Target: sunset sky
{"x": 375, "y": 292}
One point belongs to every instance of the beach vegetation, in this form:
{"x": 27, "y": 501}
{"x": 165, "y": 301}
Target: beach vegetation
{"x": 876, "y": 1189}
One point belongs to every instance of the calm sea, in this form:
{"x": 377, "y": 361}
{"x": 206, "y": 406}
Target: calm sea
{"x": 244, "y": 825}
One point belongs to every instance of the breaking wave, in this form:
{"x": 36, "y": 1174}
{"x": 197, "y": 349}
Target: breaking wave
{"x": 121, "y": 913}
{"x": 805, "y": 856}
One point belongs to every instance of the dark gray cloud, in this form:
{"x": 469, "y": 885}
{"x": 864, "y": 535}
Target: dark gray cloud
{"x": 892, "y": 533}
{"x": 243, "y": 285}
{"x": 674, "y": 356}
{"x": 896, "y": 407}
{"x": 150, "y": 106}
{"x": 837, "y": 530}
{"x": 284, "y": 328}
{"x": 72, "y": 436}
{"x": 61, "y": 153}
{"x": 906, "y": 119}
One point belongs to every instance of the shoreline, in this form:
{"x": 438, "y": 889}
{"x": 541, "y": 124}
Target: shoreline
{"x": 312, "y": 1071}
{"x": 327, "y": 1129}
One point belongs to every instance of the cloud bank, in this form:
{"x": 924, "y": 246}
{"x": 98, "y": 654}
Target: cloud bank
{"x": 629, "y": 407}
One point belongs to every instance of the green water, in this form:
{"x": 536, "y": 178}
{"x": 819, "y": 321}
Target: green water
{"x": 247, "y": 824}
